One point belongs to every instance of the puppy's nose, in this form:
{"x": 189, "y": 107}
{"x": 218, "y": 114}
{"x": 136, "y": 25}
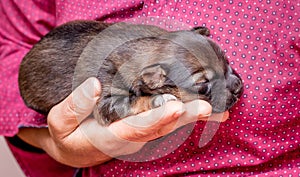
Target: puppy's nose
{"x": 235, "y": 85}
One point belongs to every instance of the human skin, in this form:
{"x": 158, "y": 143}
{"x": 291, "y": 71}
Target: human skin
{"x": 75, "y": 140}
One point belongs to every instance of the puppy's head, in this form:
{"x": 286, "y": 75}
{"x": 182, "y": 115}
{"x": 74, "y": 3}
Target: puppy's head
{"x": 191, "y": 66}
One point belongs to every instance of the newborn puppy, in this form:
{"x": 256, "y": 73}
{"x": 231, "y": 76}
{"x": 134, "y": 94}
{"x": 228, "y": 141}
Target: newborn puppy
{"x": 146, "y": 69}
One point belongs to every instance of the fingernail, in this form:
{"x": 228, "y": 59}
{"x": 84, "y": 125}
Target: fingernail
{"x": 93, "y": 86}
{"x": 205, "y": 110}
{"x": 206, "y": 115}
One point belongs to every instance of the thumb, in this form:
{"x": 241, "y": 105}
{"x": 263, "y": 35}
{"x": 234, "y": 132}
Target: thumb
{"x": 65, "y": 117}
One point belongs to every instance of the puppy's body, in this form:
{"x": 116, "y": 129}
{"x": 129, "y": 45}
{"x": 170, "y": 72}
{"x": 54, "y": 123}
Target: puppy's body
{"x": 136, "y": 76}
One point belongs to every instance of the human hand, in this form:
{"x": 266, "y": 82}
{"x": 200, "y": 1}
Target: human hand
{"x": 75, "y": 140}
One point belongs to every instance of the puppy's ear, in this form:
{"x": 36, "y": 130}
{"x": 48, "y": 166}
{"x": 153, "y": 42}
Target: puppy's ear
{"x": 201, "y": 30}
{"x": 154, "y": 76}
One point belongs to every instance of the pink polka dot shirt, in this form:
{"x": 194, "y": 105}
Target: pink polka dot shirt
{"x": 262, "y": 41}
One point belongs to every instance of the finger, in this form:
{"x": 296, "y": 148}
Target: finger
{"x": 163, "y": 120}
{"x": 67, "y": 115}
{"x": 160, "y": 116}
{"x": 195, "y": 110}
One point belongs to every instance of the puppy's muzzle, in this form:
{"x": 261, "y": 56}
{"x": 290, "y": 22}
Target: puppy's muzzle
{"x": 225, "y": 93}
{"x": 234, "y": 86}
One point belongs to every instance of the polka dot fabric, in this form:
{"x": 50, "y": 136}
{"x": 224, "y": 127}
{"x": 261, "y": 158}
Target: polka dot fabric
{"x": 262, "y": 42}
{"x": 20, "y": 28}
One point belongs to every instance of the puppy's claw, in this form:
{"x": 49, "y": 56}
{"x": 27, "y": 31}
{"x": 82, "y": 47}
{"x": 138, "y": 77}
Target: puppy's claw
{"x": 160, "y": 100}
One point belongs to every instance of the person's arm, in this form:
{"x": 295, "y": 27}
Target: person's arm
{"x": 79, "y": 142}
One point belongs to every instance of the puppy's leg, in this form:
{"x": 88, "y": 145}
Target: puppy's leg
{"x": 114, "y": 108}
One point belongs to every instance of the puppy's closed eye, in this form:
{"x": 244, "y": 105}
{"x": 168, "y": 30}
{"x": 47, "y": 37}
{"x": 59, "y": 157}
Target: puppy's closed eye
{"x": 200, "y": 83}
{"x": 199, "y": 78}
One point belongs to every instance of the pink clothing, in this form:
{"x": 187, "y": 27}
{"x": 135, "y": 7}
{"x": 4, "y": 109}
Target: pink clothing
{"x": 262, "y": 42}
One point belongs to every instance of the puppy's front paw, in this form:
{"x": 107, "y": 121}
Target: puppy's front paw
{"x": 160, "y": 100}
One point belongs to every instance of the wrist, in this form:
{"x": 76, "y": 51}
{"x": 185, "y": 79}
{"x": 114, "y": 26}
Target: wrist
{"x": 34, "y": 136}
